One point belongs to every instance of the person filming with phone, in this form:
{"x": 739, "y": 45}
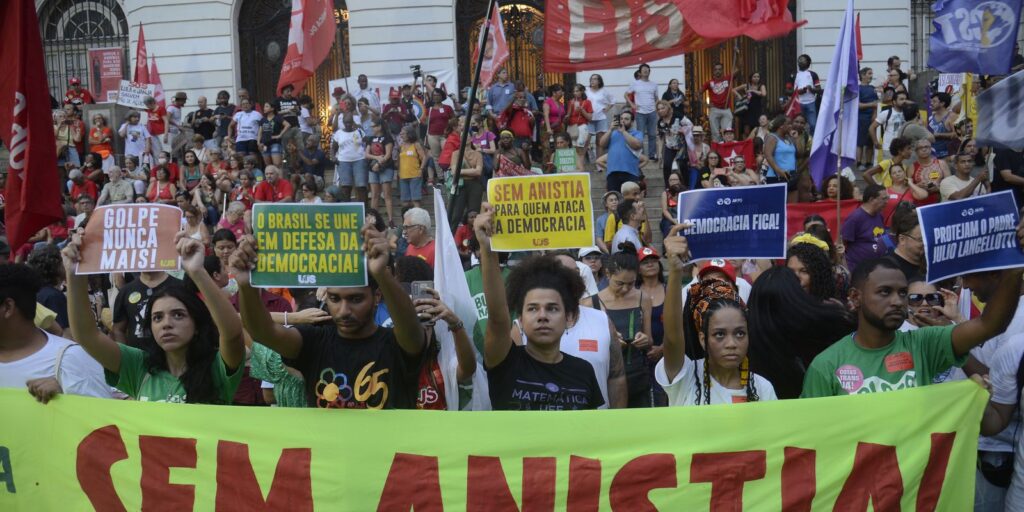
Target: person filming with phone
{"x": 623, "y": 143}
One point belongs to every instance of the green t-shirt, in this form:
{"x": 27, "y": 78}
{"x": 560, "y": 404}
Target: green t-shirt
{"x": 135, "y": 381}
{"x": 912, "y": 359}
{"x": 475, "y": 281}
{"x": 266, "y": 365}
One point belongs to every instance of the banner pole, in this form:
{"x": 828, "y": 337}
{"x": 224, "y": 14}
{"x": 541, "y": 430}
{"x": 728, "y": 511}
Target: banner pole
{"x": 469, "y": 111}
{"x": 839, "y": 165}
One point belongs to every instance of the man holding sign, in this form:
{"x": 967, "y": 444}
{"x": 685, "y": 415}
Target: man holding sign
{"x": 351, "y": 363}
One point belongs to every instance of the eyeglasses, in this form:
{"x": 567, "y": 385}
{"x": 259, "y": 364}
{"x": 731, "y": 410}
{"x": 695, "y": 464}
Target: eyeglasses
{"x": 932, "y": 299}
{"x": 912, "y": 237}
{"x": 412, "y": 226}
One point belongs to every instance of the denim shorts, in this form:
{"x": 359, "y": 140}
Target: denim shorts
{"x": 351, "y": 174}
{"x": 246, "y": 146}
{"x": 386, "y": 175}
{"x": 275, "y": 149}
{"x": 411, "y": 189}
{"x": 598, "y": 126}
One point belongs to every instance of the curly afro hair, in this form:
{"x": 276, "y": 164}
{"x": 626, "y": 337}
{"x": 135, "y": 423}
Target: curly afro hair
{"x": 548, "y": 273}
{"x": 47, "y": 261}
{"x": 815, "y": 260}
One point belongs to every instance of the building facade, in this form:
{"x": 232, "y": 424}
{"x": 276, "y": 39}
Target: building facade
{"x": 203, "y": 46}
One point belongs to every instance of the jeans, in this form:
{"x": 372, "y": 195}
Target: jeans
{"x": 719, "y": 119}
{"x": 810, "y": 111}
{"x": 648, "y": 124}
{"x": 467, "y": 200}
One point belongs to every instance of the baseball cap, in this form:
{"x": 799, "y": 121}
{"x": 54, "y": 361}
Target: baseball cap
{"x": 74, "y": 81}
{"x": 587, "y": 251}
{"x": 727, "y": 130}
{"x": 719, "y": 265}
{"x": 647, "y": 252}
{"x": 338, "y": 91}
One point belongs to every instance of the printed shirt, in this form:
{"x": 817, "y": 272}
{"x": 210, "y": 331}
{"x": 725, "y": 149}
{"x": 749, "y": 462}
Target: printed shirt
{"x": 912, "y": 359}
{"x": 135, "y": 380}
{"x": 247, "y": 125}
{"x": 522, "y": 383}
{"x": 155, "y": 120}
{"x": 719, "y": 91}
{"x": 369, "y": 373}
{"x": 266, "y": 365}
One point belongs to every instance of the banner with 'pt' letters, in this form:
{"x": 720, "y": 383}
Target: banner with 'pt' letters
{"x": 541, "y": 212}
{"x": 130, "y": 238}
{"x": 309, "y": 245}
{"x": 913, "y": 449}
{"x": 970, "y": 235}
{"x": 735, "y": 222}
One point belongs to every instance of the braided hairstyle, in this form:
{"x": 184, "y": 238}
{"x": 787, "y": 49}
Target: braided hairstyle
{"x": 708, "y": 298}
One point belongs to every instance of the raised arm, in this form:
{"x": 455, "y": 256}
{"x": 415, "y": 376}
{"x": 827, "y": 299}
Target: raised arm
{"x": 229, "y": 325}
{"x": 618, "y": 396}
{"x": 408, "y": 330}
{"x": 497, "y": 342}
{"x": 256, "y": 319}
{"x": 997, "y": 314}
{"x": 677, "y": 253}
{"x": 82, "y": 322}
{"x": 463, "y": 345}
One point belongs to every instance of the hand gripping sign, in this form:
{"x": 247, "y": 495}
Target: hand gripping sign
{"x": 130, "y": 238}
{"x": 735, "y": 222}
{"x": 541, "y": 212}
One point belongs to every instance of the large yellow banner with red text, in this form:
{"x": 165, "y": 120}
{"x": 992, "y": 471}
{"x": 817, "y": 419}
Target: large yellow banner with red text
{"x": 905, "y": 450}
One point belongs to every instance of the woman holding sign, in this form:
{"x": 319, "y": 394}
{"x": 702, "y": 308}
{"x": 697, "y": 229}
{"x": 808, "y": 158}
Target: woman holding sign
{"x": 196, "y": 354}
{"x": 544, "y": 294}
{"x": 723, "y": 376}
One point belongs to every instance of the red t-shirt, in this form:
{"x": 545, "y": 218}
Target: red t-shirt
{"x": 426, "y": 252}
{"x": 88, "y": 188}
{"x": 576, "y": 114}
{"x": 155, "y": 123}
{"x": 451, "y": 145}
{"x": 172, "y": 172}
{"x": 719, "y": 91}
{"x": 277, "y": 192}
{"x": 79, "y": 97}
{"x": 438, "y": 117}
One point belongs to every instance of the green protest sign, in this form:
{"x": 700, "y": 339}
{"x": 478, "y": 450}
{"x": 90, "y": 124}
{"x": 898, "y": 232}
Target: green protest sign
{"x": 308, "y": 245}
{"x": 565, "y": 160}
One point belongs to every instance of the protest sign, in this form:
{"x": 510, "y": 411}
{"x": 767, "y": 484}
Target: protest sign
{"x": 565, "y": 160}
{"x": 131, "y": 94}
{"x": 912, "y": 449}
{"x": 950, "y": 83}
{"x": 308, "y": 245}
{"x": 105, "y": 65}
{"x": 130, "y": 238}
{"x": 970, "y": 235}
{"x": 735, "y": 222}
{"x": 541, "y": 212}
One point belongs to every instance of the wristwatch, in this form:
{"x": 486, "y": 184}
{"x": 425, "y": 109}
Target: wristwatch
{"x": 458, "y": 326}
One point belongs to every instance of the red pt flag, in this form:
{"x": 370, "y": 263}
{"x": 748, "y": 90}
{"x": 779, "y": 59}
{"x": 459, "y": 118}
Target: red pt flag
{"x": 33, "y": 188}
{"x": 730, "y": 150}
{"x": 310, "y": 38}
{"x": 141, "y": 60}
{"x": 496, "y": 52}
{"x": 158, "y": 91}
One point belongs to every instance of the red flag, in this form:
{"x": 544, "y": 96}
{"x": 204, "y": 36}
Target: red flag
{"x": 310, "y": 38}
{"x": 860, "y": 46}
{"x": 793, "y": 107}
{"x": 141, "y": 60}
{"x": 730, "y": 150}
{"x": 797, "y": 212}
{"x": 580, "y": 36}
{"x": 154, "y": 77}
{"x": 26, "y": 126}
{"x": 496, "y": 52}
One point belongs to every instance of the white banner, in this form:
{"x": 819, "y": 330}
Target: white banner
{"x": 131, "y": 94}
{"x": 382, "y": 84}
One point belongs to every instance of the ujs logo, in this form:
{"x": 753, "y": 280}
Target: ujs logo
{"x": 986, "y": 25}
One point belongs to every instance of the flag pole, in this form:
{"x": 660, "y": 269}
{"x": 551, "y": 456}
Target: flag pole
{"x": 839, "y": 165}
{"x": 469, "y": 109}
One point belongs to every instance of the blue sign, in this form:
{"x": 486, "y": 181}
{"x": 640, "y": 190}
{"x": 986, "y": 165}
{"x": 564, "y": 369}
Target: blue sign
{"x": 970, "y": 235}
{"x": 735, "y": 222}
{"x": 974, "y": 36}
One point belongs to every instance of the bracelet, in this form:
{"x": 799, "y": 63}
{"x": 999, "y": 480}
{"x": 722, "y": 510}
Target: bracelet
{"x": 457, "y": 327}
{"x": 286, "y": 324}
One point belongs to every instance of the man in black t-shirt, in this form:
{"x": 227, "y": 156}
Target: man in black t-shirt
{"x": 202, "y": 123}
{"x": 1009, "y": 173}
{"x": 222, "y": 115}
{"x": 351, "y": 363}
{"x": 131, "y": 304}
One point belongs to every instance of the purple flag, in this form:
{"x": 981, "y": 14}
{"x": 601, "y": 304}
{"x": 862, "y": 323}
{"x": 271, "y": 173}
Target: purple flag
{"x": 831, "y": 142}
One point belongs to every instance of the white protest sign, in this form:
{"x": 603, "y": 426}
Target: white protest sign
{"x": 131, "y": 94}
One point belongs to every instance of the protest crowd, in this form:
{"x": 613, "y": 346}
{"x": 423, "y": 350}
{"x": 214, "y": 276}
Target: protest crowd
{"x": 630, "y": 321}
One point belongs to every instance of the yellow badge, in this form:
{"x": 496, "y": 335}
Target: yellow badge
{"x": 135, "y": 297}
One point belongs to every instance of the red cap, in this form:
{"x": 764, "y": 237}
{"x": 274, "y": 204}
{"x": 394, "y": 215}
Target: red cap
{"x": 75, "y": 81}
{"x": 719, "y": 265}
{"x": 338, "y": 91}
{"x": 647, "y": 252}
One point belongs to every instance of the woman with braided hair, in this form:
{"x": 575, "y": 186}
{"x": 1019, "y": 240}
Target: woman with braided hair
{"x": 720, "y": 322}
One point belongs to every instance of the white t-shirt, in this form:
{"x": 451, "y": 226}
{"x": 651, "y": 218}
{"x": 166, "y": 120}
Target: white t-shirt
{"x": 1003, "y": 375}
{"x": 804, "y": 79}
{"x": 370, "y": 96}
{"x": 599, "y": 100}
{"x": 79, "y": 373}
{"x": 645, "y": 95}
{"x": 135, "y": 137}
{"x": 986, "y": 354}
{"x": 952, "y": 184}
{"x": 626, "y": 233}
{"x": 304, "y": 126}
{"x": 247, "y": 125}
{"x": 350, "y": 145}
{"x": 682, "y": 390}
{"x": 174, "y": 116}
{"x": 890, "y": 121}
{"x": 588, "y": 279}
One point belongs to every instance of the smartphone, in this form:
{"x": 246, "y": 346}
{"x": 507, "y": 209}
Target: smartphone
{"x": 421, "y": 290}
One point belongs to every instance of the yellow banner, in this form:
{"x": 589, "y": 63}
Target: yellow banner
{"x": 905, "y": 450}
{"x": 541, "y": 212}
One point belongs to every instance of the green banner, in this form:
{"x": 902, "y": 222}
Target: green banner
{"x": 565, "y": 160}
{"x": 309, "y": 245}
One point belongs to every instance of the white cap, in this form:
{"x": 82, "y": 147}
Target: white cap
{"x": 584, "y": 252}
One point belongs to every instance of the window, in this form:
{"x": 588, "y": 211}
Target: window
{"x": 70, "y": 28}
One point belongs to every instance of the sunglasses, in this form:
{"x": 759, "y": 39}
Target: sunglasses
{"x": 932, "y": 299}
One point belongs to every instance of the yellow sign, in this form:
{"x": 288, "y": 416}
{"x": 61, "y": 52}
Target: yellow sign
{"x": 905, "y": 450}
{"x": 541, "y": 212}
